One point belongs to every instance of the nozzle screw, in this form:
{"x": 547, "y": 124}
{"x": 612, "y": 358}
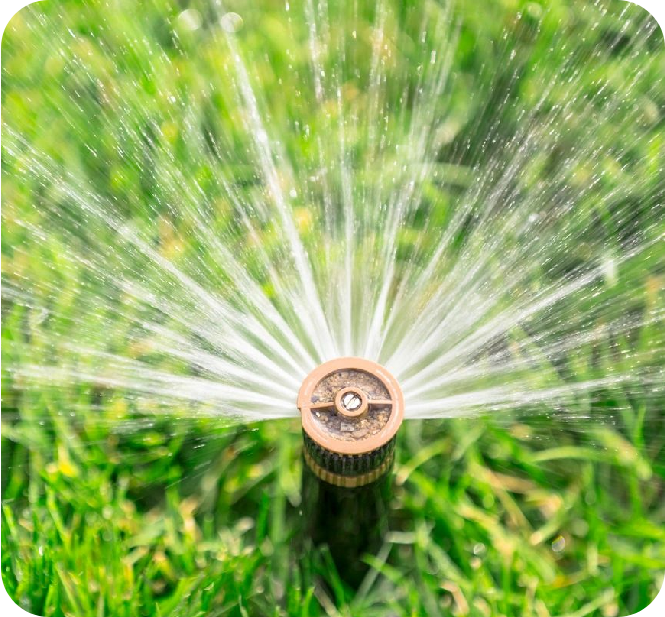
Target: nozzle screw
{"x": 351, "y": 401}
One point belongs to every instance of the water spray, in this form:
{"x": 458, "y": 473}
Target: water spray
{"x": 351, "y": 409}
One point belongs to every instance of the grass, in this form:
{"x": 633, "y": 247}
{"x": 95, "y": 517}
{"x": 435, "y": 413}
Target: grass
{"x": 194, "y": 519}
{"x": 106, "y": 511}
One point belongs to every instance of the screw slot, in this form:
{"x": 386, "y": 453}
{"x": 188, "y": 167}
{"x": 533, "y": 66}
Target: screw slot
{"x": 351, "y": 402}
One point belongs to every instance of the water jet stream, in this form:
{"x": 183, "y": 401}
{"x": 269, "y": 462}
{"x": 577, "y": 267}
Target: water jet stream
{"x": 338, "y": 209}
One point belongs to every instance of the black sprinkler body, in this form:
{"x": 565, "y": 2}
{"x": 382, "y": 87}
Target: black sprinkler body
{"x": 351, "y": 410}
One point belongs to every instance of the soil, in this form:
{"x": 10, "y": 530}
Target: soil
{"x": 342, "y": 427}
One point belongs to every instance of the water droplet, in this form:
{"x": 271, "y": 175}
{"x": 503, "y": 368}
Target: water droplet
{"x": 558, "y": 544}
{"x": 189, "y": 19}
{"x": 231, "y": 22}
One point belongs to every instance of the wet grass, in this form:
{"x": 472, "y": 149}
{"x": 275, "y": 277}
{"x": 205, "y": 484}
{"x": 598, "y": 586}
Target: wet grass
{"x": 106, "y": 512}
{"x": 109, "y": 514}
{"x": 189, "y": 518}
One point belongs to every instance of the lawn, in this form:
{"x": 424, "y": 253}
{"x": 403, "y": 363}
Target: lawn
{"x": 117, "y": 504}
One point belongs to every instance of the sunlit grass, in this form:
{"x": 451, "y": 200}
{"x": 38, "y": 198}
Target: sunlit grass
{"x": 109, "y": 510}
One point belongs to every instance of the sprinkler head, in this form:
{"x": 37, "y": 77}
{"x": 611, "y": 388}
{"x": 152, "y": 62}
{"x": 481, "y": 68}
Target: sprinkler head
{"x": 350, "y": 409}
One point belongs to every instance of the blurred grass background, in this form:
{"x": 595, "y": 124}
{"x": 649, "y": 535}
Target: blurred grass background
{"x": 107, "y": 512}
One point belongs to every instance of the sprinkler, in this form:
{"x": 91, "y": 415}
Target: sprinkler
{"x": 351, "y": 410}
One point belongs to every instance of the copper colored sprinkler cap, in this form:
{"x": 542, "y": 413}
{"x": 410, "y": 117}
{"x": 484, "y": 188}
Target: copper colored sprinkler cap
{"x": 350, "y": 405}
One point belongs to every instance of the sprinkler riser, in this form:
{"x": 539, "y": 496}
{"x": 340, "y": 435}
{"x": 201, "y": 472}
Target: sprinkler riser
{"x": 350, "y": 521}
{"x": 351, "y": 410}
{"x": 347, "y": 471}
